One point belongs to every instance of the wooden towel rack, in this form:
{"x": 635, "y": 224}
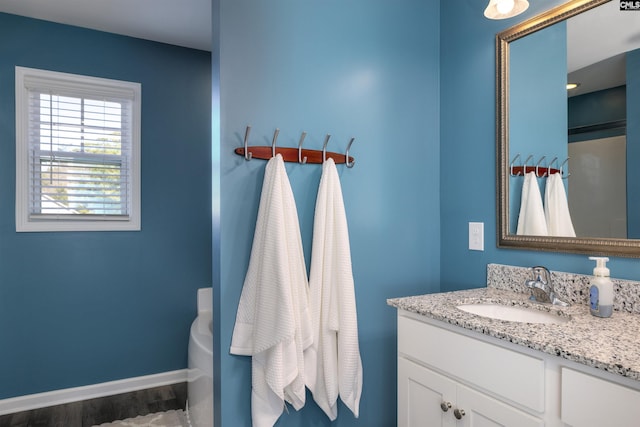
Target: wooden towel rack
{"x": 540, "y": 171}
{"x": 290, "y": 154}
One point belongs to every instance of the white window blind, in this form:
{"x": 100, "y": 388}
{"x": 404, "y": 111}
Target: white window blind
{"x": 81, "y": 146}
{"x": 78, "y": 155}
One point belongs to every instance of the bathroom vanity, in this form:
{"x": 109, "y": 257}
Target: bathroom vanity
{"x": 456, "y": 368}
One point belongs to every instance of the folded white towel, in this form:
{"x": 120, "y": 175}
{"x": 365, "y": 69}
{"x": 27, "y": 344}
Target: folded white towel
{"x": 333, "y": 365}
{"x": 556, "y": 208}
{"x": 531, "y": 221}
{"x": 272, "y": 322}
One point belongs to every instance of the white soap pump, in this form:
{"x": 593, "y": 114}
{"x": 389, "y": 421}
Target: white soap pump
{"x": 601, "y": 289}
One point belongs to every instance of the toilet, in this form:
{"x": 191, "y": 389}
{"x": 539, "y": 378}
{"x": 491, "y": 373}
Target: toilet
{"x": 200, "y": 376}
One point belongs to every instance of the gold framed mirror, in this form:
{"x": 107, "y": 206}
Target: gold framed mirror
{"x": 507, "y": 110}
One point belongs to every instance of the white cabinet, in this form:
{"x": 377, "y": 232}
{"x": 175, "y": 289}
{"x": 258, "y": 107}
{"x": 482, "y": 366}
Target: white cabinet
{"x": 421, "y": 394}
{"x": 481, "y": 410}
{"x": 428, "y": 399}
{"x": 451, "y": 377}
{"x": 512, "y": 375}
{"x": 589, "y": 401}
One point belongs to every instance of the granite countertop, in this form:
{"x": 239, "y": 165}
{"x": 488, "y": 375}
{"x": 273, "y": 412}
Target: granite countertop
{"x": 611, "y": 344}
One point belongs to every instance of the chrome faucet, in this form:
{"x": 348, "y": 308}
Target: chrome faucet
{"x": 541, "y": 287}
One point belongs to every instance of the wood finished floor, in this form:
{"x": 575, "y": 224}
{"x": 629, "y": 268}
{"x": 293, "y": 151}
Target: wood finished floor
{"x": 102, "y": 410}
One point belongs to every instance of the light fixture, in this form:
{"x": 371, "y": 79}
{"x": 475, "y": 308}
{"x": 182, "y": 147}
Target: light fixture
{"x": 502, "y": 9}
{"x": 572, "y": 85}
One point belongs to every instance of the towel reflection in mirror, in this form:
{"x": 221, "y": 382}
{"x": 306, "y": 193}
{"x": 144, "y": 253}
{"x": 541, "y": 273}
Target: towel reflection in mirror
{"x": 549, "y": 219}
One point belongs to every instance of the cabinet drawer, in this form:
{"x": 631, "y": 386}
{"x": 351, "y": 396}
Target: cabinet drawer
{"x": 512, "y": 375}
{"x": 589, "y": 401}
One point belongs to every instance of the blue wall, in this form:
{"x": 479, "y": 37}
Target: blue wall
{"x": 468, "y": 144}
{"x": 633, "y": 143}
{"x": 597, "y": 108}
{"x": 84, "y": 308}
{"x": 368, "y": 69}
{"x": 537, "y": 94}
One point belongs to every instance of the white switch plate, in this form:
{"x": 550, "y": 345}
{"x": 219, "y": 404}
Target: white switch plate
{"x": 476, "y": 236}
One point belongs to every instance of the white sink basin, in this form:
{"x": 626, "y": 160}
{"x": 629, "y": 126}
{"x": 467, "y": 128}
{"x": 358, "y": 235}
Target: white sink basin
{"x": 513, "y": 313}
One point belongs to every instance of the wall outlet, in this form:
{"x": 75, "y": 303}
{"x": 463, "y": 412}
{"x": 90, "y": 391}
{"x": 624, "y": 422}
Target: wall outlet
{"x": 476, "y": 236}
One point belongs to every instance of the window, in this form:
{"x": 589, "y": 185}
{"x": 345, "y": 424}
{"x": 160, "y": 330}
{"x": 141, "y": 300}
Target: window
{"x": 77, "y": 152}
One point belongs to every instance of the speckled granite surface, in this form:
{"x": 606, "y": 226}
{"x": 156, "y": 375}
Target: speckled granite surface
{"x": 570, "y": 287}
{"x": 611, "y": 344}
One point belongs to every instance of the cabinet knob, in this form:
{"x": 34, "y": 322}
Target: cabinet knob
{"x": 458, "y": 413}
{"x": 445, "y": 406}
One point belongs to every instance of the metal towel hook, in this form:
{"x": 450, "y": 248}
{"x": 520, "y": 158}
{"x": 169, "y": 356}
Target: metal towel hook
{"x": 247, "y": 154}
{"x": 300, "y": 159}
{"x": 511, "y": 165}
{"x": 524, "y": 168}
{"x": 538, "y": 164}
{"x": 555, "y": 160}
{"x": 346, "y": 155}
{"x": 561, "y": 172}
{"x": 273, "y": 143}
{"x": 324, "y": 148}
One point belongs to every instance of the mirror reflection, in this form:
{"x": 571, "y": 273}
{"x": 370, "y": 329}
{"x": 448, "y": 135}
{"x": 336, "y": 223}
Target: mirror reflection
{"x": 590, "y": 50}
{"x": 588, "y": 135}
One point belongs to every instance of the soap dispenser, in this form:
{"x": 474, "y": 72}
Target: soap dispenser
{"x": 601, "y": 289}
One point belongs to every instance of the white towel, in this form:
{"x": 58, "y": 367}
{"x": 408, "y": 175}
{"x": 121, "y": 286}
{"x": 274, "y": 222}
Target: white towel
{"x": 332, "y": 363}
{"x": 531, "y": 221}
{"x": 556, "y": 208}
{"x": 272, "y": 322}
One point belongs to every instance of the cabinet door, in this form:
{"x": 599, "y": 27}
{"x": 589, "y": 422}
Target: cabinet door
{"x": 421, "y": 393}
{"x": 478, "y": 410}
{"x": 588, "y": 401}
{"x": 515, "y": 376}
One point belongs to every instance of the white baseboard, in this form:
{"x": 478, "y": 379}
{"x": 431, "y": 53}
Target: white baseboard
{"x": 75, "y": 394}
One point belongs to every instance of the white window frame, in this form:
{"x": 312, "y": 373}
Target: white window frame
{"x": 88, "y": 86}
